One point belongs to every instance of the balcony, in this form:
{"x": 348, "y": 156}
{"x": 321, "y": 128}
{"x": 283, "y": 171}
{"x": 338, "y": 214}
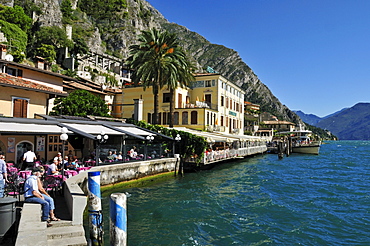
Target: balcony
{"x": 215, "y": 128}
{"x": 203, "y": 104}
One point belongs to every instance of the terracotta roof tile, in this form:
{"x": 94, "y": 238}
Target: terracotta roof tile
{"x": 11, "y": 81}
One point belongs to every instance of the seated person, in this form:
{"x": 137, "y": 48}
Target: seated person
{"x": 110, "y": 156}
{"x": 72, "y": 165}
{"x": 115, "y": 155}
{"x": 47, "y": 197}
{"x": 65, "y": 161}
{"x": 154, "y": 154}
{"x": 59, "y": 159}
{"x": 119, "y": 156}
{"x": 53, "y": 168}
{"x": 133, "y": 153}
{"x": 33, "y": 195}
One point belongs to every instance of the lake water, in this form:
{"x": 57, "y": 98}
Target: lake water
{"x": 298, "y": 200}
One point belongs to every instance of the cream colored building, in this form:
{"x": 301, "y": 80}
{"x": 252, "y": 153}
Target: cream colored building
{"x": 26, "y": 91}
{"x": 211, "y": 103}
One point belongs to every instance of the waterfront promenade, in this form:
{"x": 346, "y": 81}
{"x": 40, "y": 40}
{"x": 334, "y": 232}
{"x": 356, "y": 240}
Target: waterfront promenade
{"x": 71, "y": 205}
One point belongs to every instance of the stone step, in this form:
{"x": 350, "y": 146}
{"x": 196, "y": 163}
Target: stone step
{"x": 71, "y": 241}
{"x": 60, "y": 223}
{"x": 64, "y": 232}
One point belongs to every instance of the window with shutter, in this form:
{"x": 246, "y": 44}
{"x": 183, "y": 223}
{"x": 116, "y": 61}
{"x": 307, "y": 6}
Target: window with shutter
{"x": 20, "y": 108}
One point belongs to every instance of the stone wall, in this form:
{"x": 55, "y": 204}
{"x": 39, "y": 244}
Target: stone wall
{"x": 75, "y": 191}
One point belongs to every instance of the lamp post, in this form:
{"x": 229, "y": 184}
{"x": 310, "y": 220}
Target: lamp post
{"x": 149, "y": 139}
{"x": 63, "y": 137}
{"x": 101, "y": 138}
{"x": 177, "y": 156}
{"x": 177, "y": 139}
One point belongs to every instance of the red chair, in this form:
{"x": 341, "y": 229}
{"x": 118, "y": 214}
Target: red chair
{"x": 52, "y": 183}
{"x": 24, "y": 174}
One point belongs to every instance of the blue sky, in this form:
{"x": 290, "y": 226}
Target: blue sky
{"x": 312, "y": 54}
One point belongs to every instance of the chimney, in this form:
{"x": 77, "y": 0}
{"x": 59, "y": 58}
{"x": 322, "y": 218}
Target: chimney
{"x": 40, "y": 62}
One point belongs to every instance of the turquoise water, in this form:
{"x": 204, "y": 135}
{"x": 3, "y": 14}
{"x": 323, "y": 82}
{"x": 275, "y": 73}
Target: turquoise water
{"x": 299, "y": 200}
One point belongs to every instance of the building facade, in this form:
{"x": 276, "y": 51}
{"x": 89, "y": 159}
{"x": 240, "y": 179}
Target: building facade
{"x": 211, "y": 103}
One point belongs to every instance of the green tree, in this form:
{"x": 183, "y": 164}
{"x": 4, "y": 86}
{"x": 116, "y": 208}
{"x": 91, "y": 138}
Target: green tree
{"x": 54, "y": 36}
{"x": 158, "y": 61}
{"x": 79, "y": 46}
{"x": 66, "y": 9}
{"x": 16, "y": 39}
{"x": 102, "y": 9}
{"x": 16, "y": 16}
{"x": 80, "y": 103}
{"x": 47, "y": 51}
{"x": 29, "y": 7}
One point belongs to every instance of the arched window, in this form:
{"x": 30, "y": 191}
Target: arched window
{"x": 149, "y": 118}
{"x": 194, "y": 117}
{"x": 165, "y": 118}
{"x": 185, "y": 118}
{"x": 176, "y": 118}
{"x": 159, "y": 119}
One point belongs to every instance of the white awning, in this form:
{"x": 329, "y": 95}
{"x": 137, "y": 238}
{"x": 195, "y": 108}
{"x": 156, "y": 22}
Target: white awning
{"x": 207, "y": 135}
{"x": 239, "y": 137}
{"x": 10, "y": 127}
{"x": 134, "y": 130}
{"x": 94, "y": 129}
{"x": 219, "y": 137}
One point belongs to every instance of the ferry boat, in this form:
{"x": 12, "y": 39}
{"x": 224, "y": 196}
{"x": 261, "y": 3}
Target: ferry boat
{"x": 302, "y": 142}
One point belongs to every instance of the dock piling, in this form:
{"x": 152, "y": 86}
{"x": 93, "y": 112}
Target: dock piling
{"x": 118, "y": 219}
{"x": 95, "y": 209}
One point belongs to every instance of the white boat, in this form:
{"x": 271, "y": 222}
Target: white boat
{"x": 312, "y": 147}
{"x": 302, "y": 142}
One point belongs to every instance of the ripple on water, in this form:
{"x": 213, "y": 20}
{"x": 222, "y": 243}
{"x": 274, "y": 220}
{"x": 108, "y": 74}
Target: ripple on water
{"x": 299, "y": 200}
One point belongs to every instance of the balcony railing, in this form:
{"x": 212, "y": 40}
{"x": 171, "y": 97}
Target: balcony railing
{"x": 199, "y": 104}
{"x": 215, "y": 128}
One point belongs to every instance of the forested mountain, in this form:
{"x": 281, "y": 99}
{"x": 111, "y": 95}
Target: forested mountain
{"x": 111, "y": 26}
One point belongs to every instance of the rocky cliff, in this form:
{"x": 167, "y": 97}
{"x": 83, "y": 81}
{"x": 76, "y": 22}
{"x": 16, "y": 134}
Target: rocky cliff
{"x": 113, "y": 32}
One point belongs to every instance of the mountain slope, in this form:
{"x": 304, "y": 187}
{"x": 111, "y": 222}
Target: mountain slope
{"x": 113, "y": 32}
{"x": 308, "y": 118}
{"x": 350, "y": 124}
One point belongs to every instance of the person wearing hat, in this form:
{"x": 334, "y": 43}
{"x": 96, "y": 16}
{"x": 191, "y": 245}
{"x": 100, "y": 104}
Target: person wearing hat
{"x": 33, "y": 195}
{"x": 3, "y": 175}
{"x": 47, "y": 197}
{"x": 59, "y": 158}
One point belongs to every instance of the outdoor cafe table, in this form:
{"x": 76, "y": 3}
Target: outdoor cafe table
{"x": 70, "y": 173}
{"x": 82, "y": 169}
{"x": 24, "y": 174}
{"x": 90, "y": 163}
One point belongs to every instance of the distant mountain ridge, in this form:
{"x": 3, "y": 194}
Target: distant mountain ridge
{"x": 308, "y": 118}
{"x": 347, "y": 124}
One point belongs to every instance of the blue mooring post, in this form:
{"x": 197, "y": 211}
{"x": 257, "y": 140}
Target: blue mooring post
{"x": 118, "y": 219}
{"x": 95, "y": 213}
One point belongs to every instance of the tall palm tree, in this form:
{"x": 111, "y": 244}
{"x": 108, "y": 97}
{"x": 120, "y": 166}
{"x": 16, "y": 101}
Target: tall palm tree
{"x": 158, "y": 61}
{"x": 184, "y": 69}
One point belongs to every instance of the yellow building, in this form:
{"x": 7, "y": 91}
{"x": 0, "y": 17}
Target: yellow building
{"x": 211, "y": 103}
{"x": 26, "y": 91}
